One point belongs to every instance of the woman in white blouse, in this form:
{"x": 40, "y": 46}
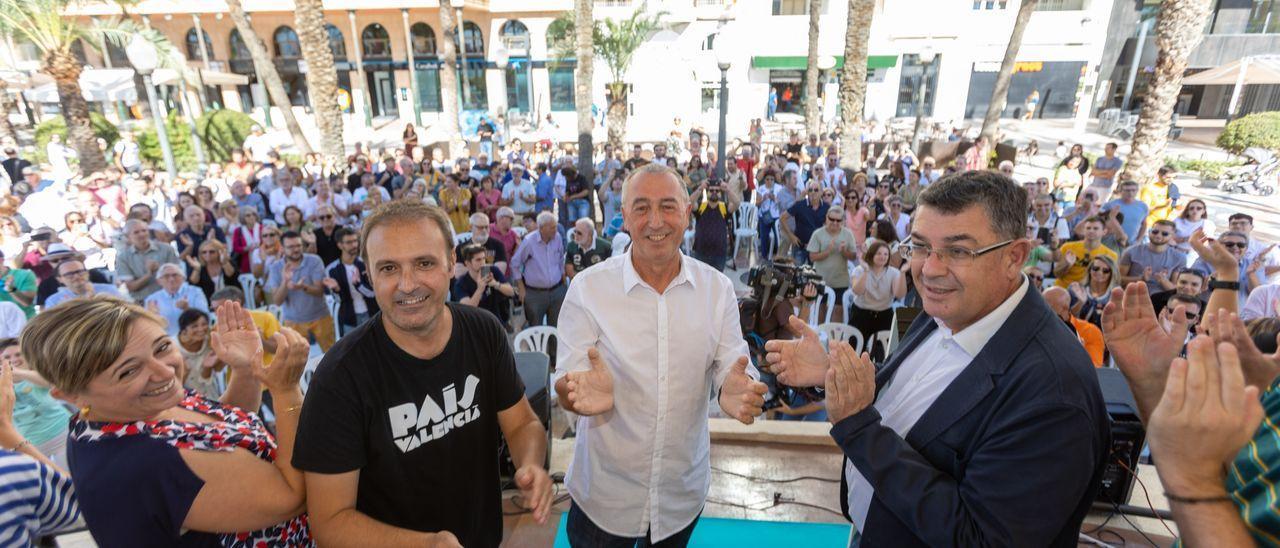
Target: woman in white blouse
{"x": 875, "y": 285}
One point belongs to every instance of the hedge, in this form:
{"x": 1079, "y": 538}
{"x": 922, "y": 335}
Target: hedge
{"x": 102, "y": 128}
{"x": 1255, "y": 130}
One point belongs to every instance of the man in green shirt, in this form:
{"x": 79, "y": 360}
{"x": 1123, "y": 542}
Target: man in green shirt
{"x": 585, "y": 248}
{"x": 18, "y": 286}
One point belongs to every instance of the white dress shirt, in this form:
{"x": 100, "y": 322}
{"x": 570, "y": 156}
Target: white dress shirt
{"x": 1261, "y": 303}
{"x": 645, "y": 464}
{"x": 920, "y": 379}
{"x": 279, "y": 201}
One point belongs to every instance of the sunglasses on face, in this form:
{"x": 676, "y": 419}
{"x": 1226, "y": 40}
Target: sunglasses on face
{"x": 1235, "y": 245}
{"x": 324, "y": 217}
{"x": 1160, "y": 232}
{"x": 1191, "y": 316}
{"x": 1101, "y": 269}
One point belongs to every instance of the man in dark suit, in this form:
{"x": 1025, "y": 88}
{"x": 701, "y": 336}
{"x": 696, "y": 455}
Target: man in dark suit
{"x": 986, "y": 426}
{"x": 348, "y": 278}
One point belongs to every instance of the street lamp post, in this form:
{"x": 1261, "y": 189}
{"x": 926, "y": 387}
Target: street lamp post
{"x": 461, "y": 33}
{"x": 927, "y": 55}
{"x": 144, "y": 58}
{"x": 724, "y": 60}
{"x": 502, "y": 59}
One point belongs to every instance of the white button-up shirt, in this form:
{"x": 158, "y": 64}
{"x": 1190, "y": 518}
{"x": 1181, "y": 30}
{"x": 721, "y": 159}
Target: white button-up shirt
{"x": 920, "y": 379}
{"x": 644, "y": 466}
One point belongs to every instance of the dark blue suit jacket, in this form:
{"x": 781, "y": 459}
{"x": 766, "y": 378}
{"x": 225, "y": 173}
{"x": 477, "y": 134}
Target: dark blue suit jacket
{"x": 346, "y": 310}
{"x": 1010, "y": 454}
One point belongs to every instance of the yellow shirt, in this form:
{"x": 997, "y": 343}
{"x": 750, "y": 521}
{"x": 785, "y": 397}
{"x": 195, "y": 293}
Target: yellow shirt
{"x": 1156, "y": 196}
{"x": 267, "y": 326}
{"x": 1077, "y": 271}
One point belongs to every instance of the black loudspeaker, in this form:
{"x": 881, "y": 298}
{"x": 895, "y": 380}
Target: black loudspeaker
{"x": 1127, "y": 438}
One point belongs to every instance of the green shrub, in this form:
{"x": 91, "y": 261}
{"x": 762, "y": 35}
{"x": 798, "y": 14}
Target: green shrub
{"x": 221, "y": 131}
{"x": 101, "y": 128}
{"x": 1208, "y": 169}
{"x": 179, "y": 139}
{"x": 1255, "y": 130}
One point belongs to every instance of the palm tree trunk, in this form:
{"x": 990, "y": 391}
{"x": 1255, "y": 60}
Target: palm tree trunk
{"x": 582, "y": 83}
{"x": 267, "y": 74}
{"x": 322, "y": 78}
{"x": 1179, "y": 28}
{"x": 8, "y": 134}
{"x": 449, "y": 80}
{"x": 812, "y": 105}
{"x": 1000, "y": 93}
{"x": 617, "y": 115}
{"x": 853, "y": 82}
{"x": 65, "y": 70}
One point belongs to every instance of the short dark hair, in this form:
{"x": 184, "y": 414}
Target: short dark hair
{"x": 469, "y": 251}
{"x": 873, "y": 247}
{"x": 343, "y": 232}
{"x": 190, "y": 316}
{"x": 1184, "y": 299}
{"x": 289, "y": 234}
{"x": 1194, "y": 272}
{"x": 227, "y": 293}
{"x": 406, "y": 211}
{"x": 1004, "y": 202}
{"x": 1238, "y": 216}
{"x": 1165, "y": 222}
{"x": 7, "y": 342}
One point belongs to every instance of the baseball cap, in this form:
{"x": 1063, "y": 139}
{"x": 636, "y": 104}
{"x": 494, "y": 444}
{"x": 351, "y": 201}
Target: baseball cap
{"x": 29, "y": 170}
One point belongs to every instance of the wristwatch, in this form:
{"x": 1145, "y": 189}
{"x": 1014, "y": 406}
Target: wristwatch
{"x": 1219, "y": 284}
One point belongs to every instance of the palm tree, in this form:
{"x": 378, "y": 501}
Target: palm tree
{"x": 267, "y": 74}
{"x": 853, "y": 81}
{"x": 41, "y": 22}
{"x": 616, "y": 42}
{"x": 812, "y": 105}
{"x": 1000, "y": 93}
{"x": 1179, "y": 28}
{"x": 582, "y": 83}
{"x": 322, "y": 77}
{"x": 449, "y": 80}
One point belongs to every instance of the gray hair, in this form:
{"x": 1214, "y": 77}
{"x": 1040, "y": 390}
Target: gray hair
{"x": 477, "y": 217}
{"x": 1003, "y": 201}
{"x": 505, "y": 211}
{"x": 133, "y": 223}
{"x": 652, "y": 169}
{"x": 168, "y": 266}
{"x": 546, "y": 217}
{"x": 590, "y": 224}
{"x": 1235, "y": 233}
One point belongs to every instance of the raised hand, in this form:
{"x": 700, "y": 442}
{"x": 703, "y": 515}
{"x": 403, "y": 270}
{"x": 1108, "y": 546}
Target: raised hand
{"x": 850, "y": 382}
{"x": 288, "y": 363}
{"x": 535, "y": 488}
{"x": 1213, "y": 252}
{"x": 182, "y": 304}
{"x": 1070, "y": 258}
{"x": 330, "y": 283}
{"x": 1141, "y": 347}
{"x": 741, "y": 396}
{"x": 1259, "y": 369}
{"x": 591, "y": 391}
{"x": 1204, "y": 417}
{"x": 798, "y": 362}
{"x": 235, "y": 340}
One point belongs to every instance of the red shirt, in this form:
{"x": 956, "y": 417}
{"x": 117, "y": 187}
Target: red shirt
{"x": 748, "y": 166}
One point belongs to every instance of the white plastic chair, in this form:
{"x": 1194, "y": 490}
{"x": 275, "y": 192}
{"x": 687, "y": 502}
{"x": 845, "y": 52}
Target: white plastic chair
{"x": 459, "y": 239}
{"x": 534, "y": 339}
{"x": 520, "y": 232}
{"x": 832, "y": 331}
{"x": 277, "y": 311}
{"x": 249, "y": 283}
{"x": 817, "y": 315}
{"x": 745, "y": 228}
{"x": 885, "y": 338}
{"x": 333, "y": 303}
{"x": 307, "y": 372}
{"x": 847, "y": 302}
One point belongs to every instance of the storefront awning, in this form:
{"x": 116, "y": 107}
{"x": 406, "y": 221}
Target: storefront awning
{"x": 799, "y": 62}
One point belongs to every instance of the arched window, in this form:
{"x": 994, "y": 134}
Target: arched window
{"x": 193, "y": 45}
{"x": 287, "y": 46}
{"x": 515, "y": 36}
{"x": 423, "y": 38}
{"x": 239, "y": 50}
{"x": 376, "y": 42}
{"x": 473, "y": 39}
{"x": 560, "y": 35}
{"x": 336, "y": 44}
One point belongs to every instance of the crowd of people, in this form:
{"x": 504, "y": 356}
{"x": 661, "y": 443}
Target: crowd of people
{"x": 149, "y": 325}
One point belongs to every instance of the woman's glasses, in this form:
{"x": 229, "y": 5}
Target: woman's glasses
{"x": 1101, "y": 269}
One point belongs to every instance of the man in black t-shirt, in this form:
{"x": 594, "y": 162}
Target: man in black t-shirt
{"x": 399, "y": 434}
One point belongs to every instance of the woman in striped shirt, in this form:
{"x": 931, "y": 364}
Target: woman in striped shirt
{"x": 38, "y": 497}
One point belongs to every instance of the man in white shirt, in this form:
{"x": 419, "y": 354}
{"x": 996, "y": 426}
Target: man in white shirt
{"x": 258, "y": 145}
{"x": 520, "y": 194}
{"x": 644, "y": 338}
{"x": 987, "y": 425}
{"x": 286, "y": 195}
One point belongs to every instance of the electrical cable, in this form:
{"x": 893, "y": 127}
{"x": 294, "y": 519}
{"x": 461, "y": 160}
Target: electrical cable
{"x": 1147, "y": 495}
{"x": 771, "y": 480}
{"x": 1138, "y": 529}
{"x": 778, "y": 500}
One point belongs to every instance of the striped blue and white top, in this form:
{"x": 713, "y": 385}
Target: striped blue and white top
{"x": 35, "y": 500}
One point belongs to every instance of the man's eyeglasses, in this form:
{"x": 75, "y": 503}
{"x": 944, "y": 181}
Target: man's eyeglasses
{"x": 75, "y": 221}
{"x": 1235, "y": 245}
{"x": 835, "y": 220}
{"x": 1155, "y": 232}
{"x": 74, "y": 273}
{"x": 324, "y": 217}
{"x": 1101, "y": 269}
{"x": 480, "y": 227}
{"x": 1191, "y": 316}
{"x": 1035, "y": 278}
{"x": 270, "y": 235}
{"x": 952, "y": 255}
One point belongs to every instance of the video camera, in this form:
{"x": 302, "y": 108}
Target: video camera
{"x": 781, "y": 280}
